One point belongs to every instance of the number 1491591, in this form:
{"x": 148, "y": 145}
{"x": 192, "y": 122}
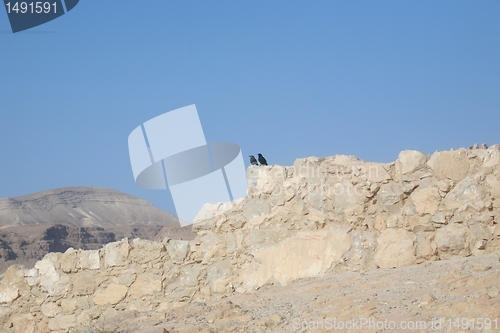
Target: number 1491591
{"x": 38, "y": 7}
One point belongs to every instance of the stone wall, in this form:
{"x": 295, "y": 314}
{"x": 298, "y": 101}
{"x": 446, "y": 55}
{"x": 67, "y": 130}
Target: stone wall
{"x": 320, "y": 216}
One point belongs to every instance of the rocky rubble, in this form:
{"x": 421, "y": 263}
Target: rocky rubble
{"x": 320, "y": 217}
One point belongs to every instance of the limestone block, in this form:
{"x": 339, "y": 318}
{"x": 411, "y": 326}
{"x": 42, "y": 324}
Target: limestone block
{"x": 420, "y": 223}
{"x": 84, "y": 283}
{"x": 208, "y": 241}
{"x": 140, "y": 306}
{"x": 390, "y": 196}
{"x": 178, "y": 249}
{"x": 445, "y": 185}
{"x": 344, "y": 195}
{"x": 146, "y": 284}
{"x": 409, "y": 161}
{"x": 189, "y": 275}
{"x": 52, "y": 280}
{"x": 50, "y": 309}
{"x": 426, "y": 200}
{"x": 116, "y": 254}
{"x": 440, "y": 218}
{"x": 449, "y": 164}
{"x": 480, "y": 231}
{"x": 144, "y": 251}
{"x": 308, "y": 254}
{"x": 295, "y": 207}
{"x": 453, "y": 239}
{"x": 68, "y": 305}
{"x": 112, "y": 294}
{"x": 127, "y": 277}
{"x": 424, "y": 247}
{"x": 13, "y": 284}
{"x": 83, "y": 303}
{"x": 218, "y": 271}
{"x": 394, "y": 249}
{"x": 375, "y": 172}
{"x": 467, "y": 193}
{"x": 32, "y": 277}
{"x": 255, "y": 207}
{"x": 89, "y": 259}
{"x": 69, "y": 260}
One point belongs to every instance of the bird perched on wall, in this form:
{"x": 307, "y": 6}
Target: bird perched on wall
{"x": 262, "y": 160}
{"x": 253, "y": 160}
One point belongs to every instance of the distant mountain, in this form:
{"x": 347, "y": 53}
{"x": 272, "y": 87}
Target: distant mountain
{"x": 78, "y": 217}
{"x": 81, "y": 207}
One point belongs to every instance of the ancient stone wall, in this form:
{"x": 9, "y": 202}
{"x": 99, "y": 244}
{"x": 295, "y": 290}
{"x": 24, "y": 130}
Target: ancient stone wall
{"x": 320, "y": 216}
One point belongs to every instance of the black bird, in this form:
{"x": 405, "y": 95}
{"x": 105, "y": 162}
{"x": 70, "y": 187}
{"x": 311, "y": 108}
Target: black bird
{"x": 262, "y": 160}
{"x": 253, "y": 160}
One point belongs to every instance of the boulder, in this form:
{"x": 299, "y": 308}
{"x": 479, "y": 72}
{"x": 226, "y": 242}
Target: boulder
{"x": 426, "y": 200}
{"x": 410, "y": 161}
{"x": 394, "y": 249}
{"x": 467, "y": 193}
{"x": 308, "y": 254}
{"x": 449, "y": 164}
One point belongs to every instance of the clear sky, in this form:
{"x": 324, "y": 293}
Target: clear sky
{"x": 288, "y": 79}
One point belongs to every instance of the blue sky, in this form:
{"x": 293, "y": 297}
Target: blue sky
{"x": 289, "y": 79}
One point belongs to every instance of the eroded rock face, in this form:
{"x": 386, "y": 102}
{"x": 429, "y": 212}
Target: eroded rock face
{"x": 320, "y": 217}
{"x": 78, "y": 217}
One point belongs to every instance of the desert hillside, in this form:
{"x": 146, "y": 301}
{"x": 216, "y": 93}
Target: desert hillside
{"x": 81, "y": 207}
{"x": 77, "y": 217}
{"x": 415, "y": 240}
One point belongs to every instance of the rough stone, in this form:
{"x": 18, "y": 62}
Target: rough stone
{"x": 467, "y": 193}
{"x": 394, "y": 249}
{"x": 178, "y": 249}
{"x": 253, "y": 208}
{"x": 308, "y": 254}
{"x": 89, "y": 259}
{"x": 112, "y": 294}
{"x": 426, "y": 200}
{"x": 453, "y": 239}
{"x": 409, "y": 161}
{"x": 144, "y": 251}
{"x": 449, "y": 164}
{"x": 116, "y": 254}
{"x": 146, "y": 284}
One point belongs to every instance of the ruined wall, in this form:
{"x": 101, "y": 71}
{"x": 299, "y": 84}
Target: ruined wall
{"x": 320, "y": 216}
